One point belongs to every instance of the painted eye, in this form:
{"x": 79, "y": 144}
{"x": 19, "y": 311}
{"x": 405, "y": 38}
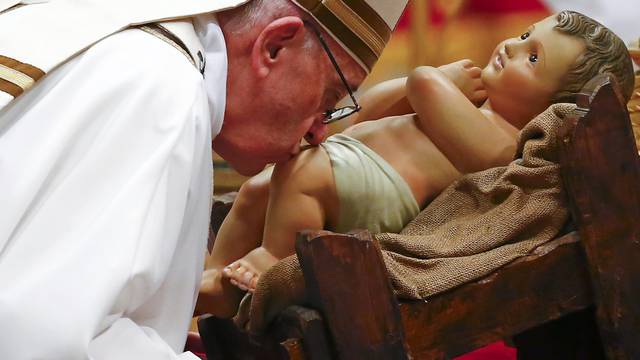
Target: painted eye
{"x": 533, "y": 58}
{"x": 524, "y": 36}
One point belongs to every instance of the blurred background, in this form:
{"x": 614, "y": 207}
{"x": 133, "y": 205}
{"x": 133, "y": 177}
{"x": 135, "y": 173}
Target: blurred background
{"x": 436, "y": 32}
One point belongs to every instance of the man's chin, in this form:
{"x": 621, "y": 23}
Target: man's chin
{"x": 249, "y": 165}
{"x": 248, "y": 169}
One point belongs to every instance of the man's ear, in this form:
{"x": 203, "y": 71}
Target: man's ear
{"x": 273, "y": 41}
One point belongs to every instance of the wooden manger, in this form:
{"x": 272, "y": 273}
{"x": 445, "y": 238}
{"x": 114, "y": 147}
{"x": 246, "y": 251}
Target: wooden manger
{"x": 572, "y": 298}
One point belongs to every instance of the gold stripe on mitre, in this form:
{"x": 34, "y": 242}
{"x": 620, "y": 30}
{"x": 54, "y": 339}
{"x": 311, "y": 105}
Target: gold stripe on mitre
{"x": 17, "y": 77}
{"x": 357, "y": 26}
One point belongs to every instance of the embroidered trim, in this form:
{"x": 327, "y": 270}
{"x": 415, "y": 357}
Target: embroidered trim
{"x": 17, "y": 77}
{"x": 354, "y": 23}
{"x": 10, "y": 88}
{"x": 357, "y": 25}
{"x": 168, "y": 37}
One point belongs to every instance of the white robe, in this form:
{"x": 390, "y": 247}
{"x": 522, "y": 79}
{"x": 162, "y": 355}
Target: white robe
{"x": 105, "y": 180}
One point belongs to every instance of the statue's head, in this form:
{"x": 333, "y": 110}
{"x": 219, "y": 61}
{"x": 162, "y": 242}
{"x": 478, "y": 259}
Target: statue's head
{"x": 604, "y": 53}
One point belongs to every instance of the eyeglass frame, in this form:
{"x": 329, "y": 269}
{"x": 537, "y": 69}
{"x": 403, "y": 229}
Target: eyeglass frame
{"x": 344, "y": 111}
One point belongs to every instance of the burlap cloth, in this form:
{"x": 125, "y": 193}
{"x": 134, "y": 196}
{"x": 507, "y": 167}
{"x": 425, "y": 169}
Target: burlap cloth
{"x": 478, "y": 224}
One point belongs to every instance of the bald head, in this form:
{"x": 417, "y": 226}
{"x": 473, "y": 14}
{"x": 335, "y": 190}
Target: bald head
{"x": 256, "y": 13}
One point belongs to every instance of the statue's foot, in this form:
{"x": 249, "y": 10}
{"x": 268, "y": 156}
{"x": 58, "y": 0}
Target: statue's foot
{"x": 244, "y": 273}
{"x": 217, "y": 295}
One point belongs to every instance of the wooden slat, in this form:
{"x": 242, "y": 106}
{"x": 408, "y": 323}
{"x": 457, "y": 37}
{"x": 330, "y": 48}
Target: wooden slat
{"x": 307, "y": 327}
{"x": 603, "y": 177}
{"x": 297, "y": 334}
{"x": 347, "y": 281}
{"x": 532, "y": 290}
{"x": 223, "y": 340}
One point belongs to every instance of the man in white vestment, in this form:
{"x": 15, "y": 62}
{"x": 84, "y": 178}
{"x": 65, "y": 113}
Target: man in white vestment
{"x": 106, "y": 130}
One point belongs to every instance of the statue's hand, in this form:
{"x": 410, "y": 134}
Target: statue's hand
{"x": 466, "y": 76}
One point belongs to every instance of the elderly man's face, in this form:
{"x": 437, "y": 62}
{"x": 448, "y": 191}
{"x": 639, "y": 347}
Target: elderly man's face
{"x": 291, "y": 105}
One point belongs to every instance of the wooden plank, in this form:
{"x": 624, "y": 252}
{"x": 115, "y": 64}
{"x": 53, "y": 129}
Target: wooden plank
{"x": 297, "y": 334}
{"x": 294, "y": 349}
{"x": 602, "y": 176}
{"x": 306, "y": 325}
{"x": 347, "y": 281}
{"x": 222, "y": 340}
{"x": 535, "y": 289}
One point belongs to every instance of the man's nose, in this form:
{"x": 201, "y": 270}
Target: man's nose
{"x": 315, "y": 137}
{"x": 317, "y": 132}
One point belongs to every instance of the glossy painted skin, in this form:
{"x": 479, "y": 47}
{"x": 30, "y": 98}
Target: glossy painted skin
{"x": 524, "y": 72}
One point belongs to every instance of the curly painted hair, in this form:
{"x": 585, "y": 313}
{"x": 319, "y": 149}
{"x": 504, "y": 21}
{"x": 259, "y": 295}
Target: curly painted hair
{"x": 605, "y": 53}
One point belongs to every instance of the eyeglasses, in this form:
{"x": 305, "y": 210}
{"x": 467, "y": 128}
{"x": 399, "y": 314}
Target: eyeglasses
{"x": 334, "y": 115}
